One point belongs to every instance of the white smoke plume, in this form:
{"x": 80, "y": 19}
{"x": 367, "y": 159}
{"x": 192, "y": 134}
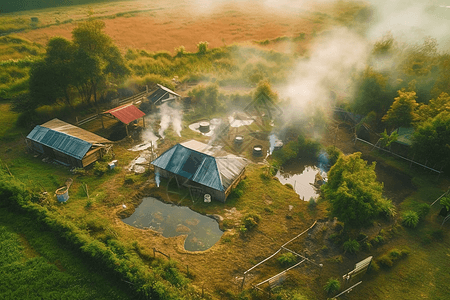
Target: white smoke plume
{"x": 170, "y": 115}
{"x": 334, "y": 58}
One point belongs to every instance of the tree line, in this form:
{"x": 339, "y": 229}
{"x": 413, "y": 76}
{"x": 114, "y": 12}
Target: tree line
{"x": 408, "y": 86}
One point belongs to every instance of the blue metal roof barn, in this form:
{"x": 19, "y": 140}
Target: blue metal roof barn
{"x": 66, "y": 143}
{"x": 198, "y": 165}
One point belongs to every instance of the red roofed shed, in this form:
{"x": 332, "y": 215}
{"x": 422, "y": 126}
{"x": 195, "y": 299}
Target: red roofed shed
{"x": 126, "y": 114}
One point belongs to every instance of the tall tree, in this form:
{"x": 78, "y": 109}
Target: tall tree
{"x": 353, "y": 191}
{"x": 98, "y": 59}
{"x": 402, "y": 111}
{"x": 431, "y": 139}
{"x": 52, "y": 78}
{"x": 434, "y": 107}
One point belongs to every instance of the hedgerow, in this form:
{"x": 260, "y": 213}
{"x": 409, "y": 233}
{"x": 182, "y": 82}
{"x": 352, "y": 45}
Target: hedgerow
{"x": 162, "y": 281}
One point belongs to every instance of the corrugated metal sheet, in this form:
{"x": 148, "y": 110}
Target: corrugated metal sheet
{"x": 75, "y": 131}
{"x": 161, "y": 93}
{"x": 195, "y": 166}
{"x": 59, "y": 141}
{"x": 194, "y": 160}
{"x": 126, "y": 113}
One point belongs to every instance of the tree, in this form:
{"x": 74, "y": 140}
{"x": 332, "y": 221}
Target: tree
{"x": 434, "y": 107}
{"x": 402, "y": 111}
{"x": 98, "y": 60}
{"x": 52, "y": 78}
{"x": 431, "y": 139}
{"x": 353, "y": 191}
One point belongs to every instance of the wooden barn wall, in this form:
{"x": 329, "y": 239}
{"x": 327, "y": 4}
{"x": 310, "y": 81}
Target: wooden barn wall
{"x": 215, "y": 194}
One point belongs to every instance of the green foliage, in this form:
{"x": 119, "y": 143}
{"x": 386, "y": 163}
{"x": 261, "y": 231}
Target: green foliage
{"x": 207, "y": 99}
{"x": 100, "y": 168}
{"x": 354, "y": 194}
{"x": 401, "y": 113}
{"x": 431, "y": 137}
{"x": 239, "y": 190}
{"x": 387, "y": 208}
{"x": 312, "y": 203}
{"x": 387, "y": 260}
{"x": 445, "y": 201}
{"x": 202, "y": 47}
{"x": 287, "y": 259}
{"x": 332, "y": 286}
{"x": 410, "y": 219}
{"x": 351, "y": 246}
{"x": 333, "y": 154}
{"x": 303, "y": 148}
{"x": 251, "y": 220}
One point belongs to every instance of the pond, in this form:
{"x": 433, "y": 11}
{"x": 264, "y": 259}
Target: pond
{"x": 301, "y": 176}
{"x": 171, "y": 220}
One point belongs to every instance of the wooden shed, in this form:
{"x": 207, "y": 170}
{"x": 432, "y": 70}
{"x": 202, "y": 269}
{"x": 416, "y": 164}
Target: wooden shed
{"x": 162, "y": 94}
{"x": 67, "y": 144}
{"x": 201, "y": 168}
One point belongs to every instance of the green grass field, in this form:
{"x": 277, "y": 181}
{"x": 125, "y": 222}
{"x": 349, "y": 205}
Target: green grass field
{"x": 35, "y": 264}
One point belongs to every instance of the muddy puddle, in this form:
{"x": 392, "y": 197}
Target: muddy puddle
{"x": 170, "y": 220}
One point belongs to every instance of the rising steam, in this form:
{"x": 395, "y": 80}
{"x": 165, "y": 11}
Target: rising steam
{"x": 170, "y": 115}
{"x": 334, "y": 58}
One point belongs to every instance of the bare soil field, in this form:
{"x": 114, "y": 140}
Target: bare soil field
{"x": 166, "y": 25}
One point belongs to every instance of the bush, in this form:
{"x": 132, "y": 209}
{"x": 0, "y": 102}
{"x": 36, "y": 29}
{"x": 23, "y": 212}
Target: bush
{"x": 332, "y": 286}
{"x": 202, "y": 47}
{"x": 351, "y": 246}
{"x": 251, "y": 221}
{"x": 410, "y": 219}
{"x": 100, "y": 168}
{"x": 289, "y": 186}
{"x": 287, "y": 259}
{"x": 387, "y": 260}
{"x": 312, "y": 203}
{"x": 333, "y": 154}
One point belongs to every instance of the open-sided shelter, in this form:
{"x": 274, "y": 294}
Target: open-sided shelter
{"x": 67, "y": 144}
{"x": 201, "y": 169}
{"x": 162, "y": 94}
{"x": 126, "y": 114}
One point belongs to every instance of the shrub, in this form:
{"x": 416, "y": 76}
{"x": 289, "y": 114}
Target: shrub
{"x": 100, "y": 168}
{"x": 387, "y": 208}
{"x": 312, "y": 203}
{"x": 332, "y": 286}
{"x": 387, "y": 260}
{"x": 333, "y": 154}
{"x": 351, "y": 246}
{"x": 202, "y": 47}
{"x": 410, "y": 219}
{"x": 289, "y": 186}
{"x": 287, "y": 259}
{"x": 438, "y": 234}
{"x": 251, "y": 221}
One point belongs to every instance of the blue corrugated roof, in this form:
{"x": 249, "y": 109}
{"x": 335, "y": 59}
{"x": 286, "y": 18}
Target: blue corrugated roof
{"x": 59, "y": 141}
{"x": 193, "y": 165}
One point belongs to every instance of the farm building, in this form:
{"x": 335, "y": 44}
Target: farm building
{"x": 201, "y": 168}
{"x": 162, "y": 94}
{"x": 126, "y": 114}
{"x": 67, "y": 144}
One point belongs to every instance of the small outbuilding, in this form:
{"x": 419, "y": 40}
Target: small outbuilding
{"x": 126, "y": 114}
{"x": 201, "y": 168}
{"x": 162, "y": 94}
{"x": 67, "y": 144}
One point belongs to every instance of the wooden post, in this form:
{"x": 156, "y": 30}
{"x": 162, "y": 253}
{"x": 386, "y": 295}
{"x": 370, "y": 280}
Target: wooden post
{"x": 143, "y": 121}
{"x": 76, "y": 118}
{"x": 243, "y": 281}
{"x": 101, "y": 118}
{"x": 126, "y": 128}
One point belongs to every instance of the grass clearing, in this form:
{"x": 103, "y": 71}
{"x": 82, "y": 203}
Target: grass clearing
{"x": 51, "y": 271}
